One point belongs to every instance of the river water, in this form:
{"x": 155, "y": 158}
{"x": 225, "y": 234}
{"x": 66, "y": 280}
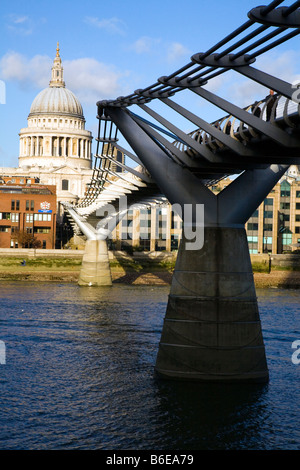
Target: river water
{"x": 78, "y": 374}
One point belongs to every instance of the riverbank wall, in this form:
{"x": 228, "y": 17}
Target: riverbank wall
{"x": 138, "y": 268}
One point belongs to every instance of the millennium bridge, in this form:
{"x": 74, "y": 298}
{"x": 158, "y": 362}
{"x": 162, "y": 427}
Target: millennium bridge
{"x": 212, "y": 329}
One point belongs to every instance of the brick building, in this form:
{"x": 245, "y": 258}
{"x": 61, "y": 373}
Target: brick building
{"x": 27, "y": 213}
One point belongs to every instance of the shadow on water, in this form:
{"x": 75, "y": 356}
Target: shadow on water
{"x": 211, "y": 416}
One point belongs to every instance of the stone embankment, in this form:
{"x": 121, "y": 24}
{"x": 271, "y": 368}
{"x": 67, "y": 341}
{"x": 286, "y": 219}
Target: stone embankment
{"x": 140, "y": 268}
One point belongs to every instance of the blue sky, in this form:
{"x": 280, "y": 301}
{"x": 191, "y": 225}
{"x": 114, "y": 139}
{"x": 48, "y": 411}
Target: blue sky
{"x": 111, "y": 48}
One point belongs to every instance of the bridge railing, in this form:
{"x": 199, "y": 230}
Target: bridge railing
{"x": 283, "y": 109}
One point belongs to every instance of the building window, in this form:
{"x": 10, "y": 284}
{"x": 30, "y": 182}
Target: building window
{"x": 286, "y": 217}
{"x": 17, "y": 205}
{"x": 5, "y": 215}
{"x": 3, "y": 228}
{"x": 297, "y": 218}
{"x": 252, "y": 226}
{"x": 32, "y": 205}
{"x": 14, "y": 217}
{"x": 297, "y": 193}
{"x": 268, "y": 214}
{"x": 286, "y": 238}
{"x": 12, "y": 204}
{"x": 269, "y": 201}
{"x": 297, "y": 206}
{"x": 27, "y": 205}
{"x": 297, "y": 229}
{"x": 42, "y": 230}
{"x": 65, "y": 185}
{"x": 42, "y": 217}
{"x": 284, "y": 205}
{"x": 29, "y": 218}
{"x": 252, "y": 239}
{"x": 285, "y": 190}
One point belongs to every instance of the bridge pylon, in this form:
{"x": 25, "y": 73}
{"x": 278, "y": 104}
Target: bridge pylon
{"x": 212, "y": 329}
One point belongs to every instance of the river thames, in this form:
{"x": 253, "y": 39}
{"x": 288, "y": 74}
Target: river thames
{"x": 79, "y": 374}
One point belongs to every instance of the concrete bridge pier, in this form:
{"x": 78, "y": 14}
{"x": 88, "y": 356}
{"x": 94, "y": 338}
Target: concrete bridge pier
{"x": 95, "y": 269}
{"x": 212, "y": 329}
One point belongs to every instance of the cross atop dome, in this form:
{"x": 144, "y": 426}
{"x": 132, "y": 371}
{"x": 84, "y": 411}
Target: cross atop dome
{"x": 57, "y": 71}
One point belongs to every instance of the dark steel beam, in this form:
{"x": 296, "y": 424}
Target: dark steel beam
{"x": 233, "y": 144}
{"x": 180, "y": 157}
{"x": 129, "y": 154}
{"x": 267, "y": 80}
{"x": 140, "y": 175}
{"x": 201, "y": 149}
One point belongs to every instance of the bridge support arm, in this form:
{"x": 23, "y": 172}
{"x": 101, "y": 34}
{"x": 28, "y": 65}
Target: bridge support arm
{"x": 238, "y": 201}
{"x": 178, "y": 184}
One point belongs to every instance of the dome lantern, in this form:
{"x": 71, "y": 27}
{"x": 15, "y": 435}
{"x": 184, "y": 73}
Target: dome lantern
{"x": 57, "y": 71}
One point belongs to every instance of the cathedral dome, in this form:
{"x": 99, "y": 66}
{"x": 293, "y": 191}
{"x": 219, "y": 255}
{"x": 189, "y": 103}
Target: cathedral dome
{"x": 56, "y": 100}
{"x": 56, "y": 136}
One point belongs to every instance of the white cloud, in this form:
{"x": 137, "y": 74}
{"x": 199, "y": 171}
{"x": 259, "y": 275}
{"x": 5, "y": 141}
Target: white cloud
{"x": 145, "y": 44}
{"x": 20, "y": 19}
{"x": 111, "y": 25}
{"x": 89, "y": 79}
{"x": 92, "y": 80}
{"x": 28, "y": 73}
{"x": 176, "y": 51}
{"x": 21, "y": 25}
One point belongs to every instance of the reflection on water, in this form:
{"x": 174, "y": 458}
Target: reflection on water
{"x": 80, "y": 375}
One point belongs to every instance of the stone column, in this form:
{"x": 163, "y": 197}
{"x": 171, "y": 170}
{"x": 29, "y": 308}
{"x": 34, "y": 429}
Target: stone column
{"x": 95, "y": 269}
{"x": 65, "y": 147}
{"x": 153, "y": 228}
{"x": 212, "y": 331}
{"x": 168, "y": 228}
{"x": 136, "y": 228}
